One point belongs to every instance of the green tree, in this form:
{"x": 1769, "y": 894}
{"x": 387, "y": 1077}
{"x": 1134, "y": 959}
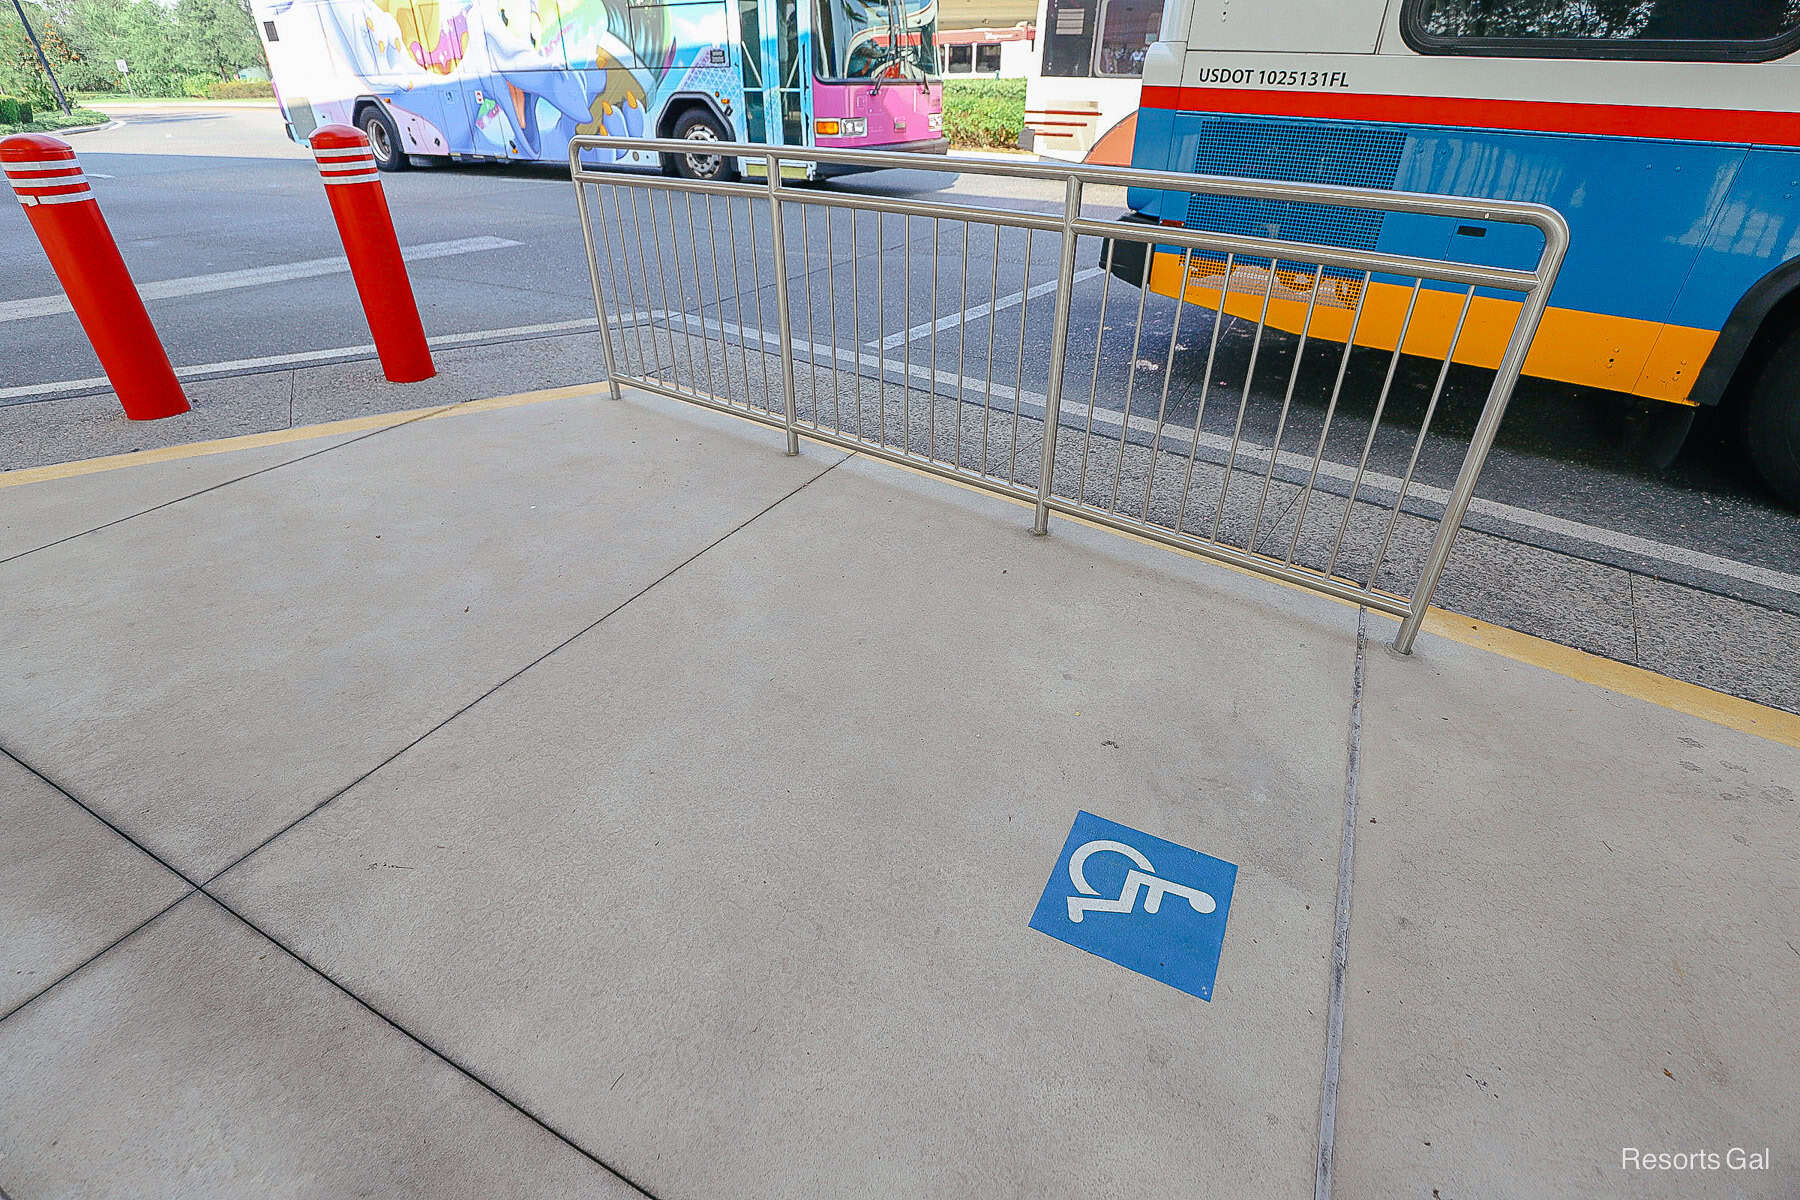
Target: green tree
{"x": 221, "y": 33}
{"x": 20, "y": 72}
{"x": 165, "y": 47}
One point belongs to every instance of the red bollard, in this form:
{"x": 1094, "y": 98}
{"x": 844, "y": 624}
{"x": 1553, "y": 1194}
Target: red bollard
{"x": 360, "y": 207}
{"x": 65, "y": 216}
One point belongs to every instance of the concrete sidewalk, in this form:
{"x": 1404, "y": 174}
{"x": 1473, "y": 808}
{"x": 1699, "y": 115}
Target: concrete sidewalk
{"x": 555, "y": 796}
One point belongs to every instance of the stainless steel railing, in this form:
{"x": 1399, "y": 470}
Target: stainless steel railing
{"x": 740, "y": 296}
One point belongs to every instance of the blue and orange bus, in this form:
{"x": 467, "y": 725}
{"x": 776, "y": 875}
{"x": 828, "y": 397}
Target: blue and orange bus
{"x": 1667, "y": 132}
{"x": 514, "y": 80}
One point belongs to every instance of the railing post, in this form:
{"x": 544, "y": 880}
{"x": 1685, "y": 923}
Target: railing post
{"x": 789, "y": 416}
{"x": 1059, "y": 344}
{"x": 587, "y": 236}
{"x": 1506, "y": 377}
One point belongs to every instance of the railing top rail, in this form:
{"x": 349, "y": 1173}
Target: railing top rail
{"x": 1541, "y": 217}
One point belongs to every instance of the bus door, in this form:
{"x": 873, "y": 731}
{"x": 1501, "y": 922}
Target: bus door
{"x": 774, "y": 81}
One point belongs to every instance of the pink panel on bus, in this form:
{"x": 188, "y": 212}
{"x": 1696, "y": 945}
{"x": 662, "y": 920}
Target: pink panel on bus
{"x": 900, "y": 112}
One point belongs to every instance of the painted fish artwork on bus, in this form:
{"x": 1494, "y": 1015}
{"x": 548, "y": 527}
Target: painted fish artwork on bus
{"x": 506, "y": 79}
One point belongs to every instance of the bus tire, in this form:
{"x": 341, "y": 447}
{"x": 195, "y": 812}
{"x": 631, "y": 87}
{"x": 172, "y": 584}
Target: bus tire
{"x": 384, "y": 138}
{"x": 698, "y": 125}
{"x": 1771, "y": 420}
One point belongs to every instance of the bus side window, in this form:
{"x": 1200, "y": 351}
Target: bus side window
{"x": 1127, "y": 27}
{"x": 1069, "y": 40}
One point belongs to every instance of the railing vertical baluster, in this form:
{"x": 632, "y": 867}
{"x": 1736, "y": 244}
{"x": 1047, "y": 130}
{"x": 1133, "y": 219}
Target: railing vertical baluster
{"x": 762, "y": 334}
{"x": 699, "y": 286}
{"x": 856, "y": 321}
{"x": 1287, "y": 403}
{"x": 622, "y": 266}
{"x": 1212, "y": 351}
{"x": 1362, "y": 465}
{"x": 931, "y": 375}
{"x": 1087, "y": 432}
{"x": 687, "y": 332}
{"x": 784, "y": 323}
{"x": 1059, "y": 345}
{"x": 1556, "y": 244}
{"x": 587, "y": 237}
{"x": 962, "y": 330}
{"x": 1337, "y": 389}
{"x": 1162, "y": 403}
{"x": 712, "y": 250}
{"x": 737, "y": 306}
{"x": 1012, "y": 452}
{"x": 1237, "y": 432}
{"x": 1137, "y": 340}
{"x": 812, "y": 337}
{"x": 1412, "y": 463}
{"x": 837, "y": 412}
{"x": 987, "y": 400}
{"x": 906, "y": 438}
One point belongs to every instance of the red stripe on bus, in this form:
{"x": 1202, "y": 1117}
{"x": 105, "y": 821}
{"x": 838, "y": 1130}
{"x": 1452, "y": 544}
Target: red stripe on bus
{"x": 1548, "y": 116}
{"x": 1062, "y": 112}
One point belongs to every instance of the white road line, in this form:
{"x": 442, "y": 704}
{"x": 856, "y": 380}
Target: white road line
{"x": 224, "y": 281}
{"x": 1524, "y": 518}
{"x": 1372, "y": 481}
{"x": 972, "y": 314}
{"x": 240, "y": 365}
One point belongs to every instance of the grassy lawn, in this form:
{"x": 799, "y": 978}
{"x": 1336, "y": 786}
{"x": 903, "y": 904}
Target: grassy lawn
{"x": 984, "y": 114}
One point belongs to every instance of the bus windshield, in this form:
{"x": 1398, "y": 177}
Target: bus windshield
{"x": 855, "y": 39}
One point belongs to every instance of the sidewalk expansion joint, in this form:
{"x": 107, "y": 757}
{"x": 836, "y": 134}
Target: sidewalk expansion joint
{"x": 60, "y": 790}
{"x": 589, "y": 628}
{"x": 1340, "y": 943}
{"x": 201, "y": 890}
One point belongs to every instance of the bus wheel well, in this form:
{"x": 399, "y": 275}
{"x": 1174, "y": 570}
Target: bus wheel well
{"x": 1757, "y": 325}
{"x": 1782, "y": 319}
{"x": 678, "y": 106}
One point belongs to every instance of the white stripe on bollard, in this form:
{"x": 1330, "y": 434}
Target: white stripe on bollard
{"x": 29, "y": 200}
{"x": 48, "y": 181}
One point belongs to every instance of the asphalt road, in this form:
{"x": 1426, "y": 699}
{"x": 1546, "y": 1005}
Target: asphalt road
{"x": 195, "y": 192}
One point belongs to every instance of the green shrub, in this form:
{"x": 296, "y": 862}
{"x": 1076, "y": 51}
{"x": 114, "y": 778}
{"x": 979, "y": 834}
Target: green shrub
{"x": 9, "y": 111}
{"x": 196, "y": 85}
{"x": 53, "y": 121}
{"x": 240, "y": 89}
{"x": 984, "y": 113}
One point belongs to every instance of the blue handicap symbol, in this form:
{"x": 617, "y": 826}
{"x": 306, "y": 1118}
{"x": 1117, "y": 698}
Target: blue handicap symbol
{"x": 1149, "y": 905}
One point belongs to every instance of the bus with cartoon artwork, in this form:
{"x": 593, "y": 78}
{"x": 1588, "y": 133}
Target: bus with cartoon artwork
{"x": 515, "y": 80}
{"x": 1667, "y": 133}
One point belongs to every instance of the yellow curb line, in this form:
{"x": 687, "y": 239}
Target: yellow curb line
{"x": 1731, "y": 712}
{"x": 277, "y": 437}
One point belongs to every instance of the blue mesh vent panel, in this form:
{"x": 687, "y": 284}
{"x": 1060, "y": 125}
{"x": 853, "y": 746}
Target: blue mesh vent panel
{"x": 1304, "y": 153}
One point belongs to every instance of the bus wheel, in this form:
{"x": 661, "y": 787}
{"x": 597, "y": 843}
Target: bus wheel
{"x": 384, "y": 139}
{"x": 698, "y": 125}
{"x": 1771, "y": 421}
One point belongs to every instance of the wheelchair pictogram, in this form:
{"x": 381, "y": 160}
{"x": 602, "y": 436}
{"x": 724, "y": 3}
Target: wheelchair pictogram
{"x": 1141, "y": 878}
